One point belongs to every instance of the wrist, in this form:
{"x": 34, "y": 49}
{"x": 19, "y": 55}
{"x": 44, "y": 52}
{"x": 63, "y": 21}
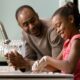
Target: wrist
{"x": 26, "y": 66}
{"x": 22, "y": 69}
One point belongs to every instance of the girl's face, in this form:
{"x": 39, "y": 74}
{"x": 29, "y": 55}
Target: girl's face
{"x": 63, "y": 26}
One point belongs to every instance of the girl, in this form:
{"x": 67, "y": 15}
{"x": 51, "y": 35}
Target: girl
{"x": 66, "y": 22}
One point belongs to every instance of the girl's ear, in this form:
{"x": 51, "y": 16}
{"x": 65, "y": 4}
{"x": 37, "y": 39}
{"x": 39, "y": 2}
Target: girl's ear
{"x": 71, "y": 19}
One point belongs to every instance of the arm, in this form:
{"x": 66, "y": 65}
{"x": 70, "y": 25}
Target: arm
{"x": 30, "y": 56}
{"x": 20, "y": 62}
{"x": 67, "y": 66}
{"x": 56, "y": 43}
{"x": 51, "y": 68}
{"x": 28, "y": 51}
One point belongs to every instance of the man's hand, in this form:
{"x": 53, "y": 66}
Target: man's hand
{"x": 16, "y": 60}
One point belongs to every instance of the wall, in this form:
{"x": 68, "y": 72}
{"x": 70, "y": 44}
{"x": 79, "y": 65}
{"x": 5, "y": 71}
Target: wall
{"x": 44, "y": 8}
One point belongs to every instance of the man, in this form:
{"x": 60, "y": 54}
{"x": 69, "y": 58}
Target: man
{"x": 40, "y": 39}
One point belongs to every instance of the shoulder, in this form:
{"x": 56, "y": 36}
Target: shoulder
{"x": 75, "y": 41}
{"x": 46, "y": 22}
{"x": 75, "y": 37}
{"x": 54, "y": 38}
{"x": 50, "y": 30}
{"x": 53, "y": 35}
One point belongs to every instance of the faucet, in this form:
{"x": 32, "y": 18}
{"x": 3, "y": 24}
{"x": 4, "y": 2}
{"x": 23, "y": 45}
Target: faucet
{"x": 4, "y": 34}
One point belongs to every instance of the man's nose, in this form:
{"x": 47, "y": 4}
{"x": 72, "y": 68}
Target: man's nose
{"x": 30, "y": 26}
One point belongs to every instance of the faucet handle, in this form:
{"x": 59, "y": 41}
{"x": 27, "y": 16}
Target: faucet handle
{"x": 7, "y": 41}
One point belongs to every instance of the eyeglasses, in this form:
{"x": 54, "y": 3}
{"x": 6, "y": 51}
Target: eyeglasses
{"x": 30, "y": 20}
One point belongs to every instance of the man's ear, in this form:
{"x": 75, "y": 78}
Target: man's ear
{"x": 71, "y": 19}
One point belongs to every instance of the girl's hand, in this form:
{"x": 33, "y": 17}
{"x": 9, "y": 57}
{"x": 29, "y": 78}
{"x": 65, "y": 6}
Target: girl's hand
{"x": 39, "y": 66}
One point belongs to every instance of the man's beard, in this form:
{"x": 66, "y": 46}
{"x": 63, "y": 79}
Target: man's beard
{"x": 35, "y": 30}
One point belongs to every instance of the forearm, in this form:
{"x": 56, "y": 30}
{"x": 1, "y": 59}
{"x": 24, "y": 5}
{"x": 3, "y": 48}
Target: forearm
{"x": 59, "y": 64}
{"x": 51, "y": 69}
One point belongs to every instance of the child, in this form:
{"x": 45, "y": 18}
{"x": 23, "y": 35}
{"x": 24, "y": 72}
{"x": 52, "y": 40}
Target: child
{"x": 66, "y": 22}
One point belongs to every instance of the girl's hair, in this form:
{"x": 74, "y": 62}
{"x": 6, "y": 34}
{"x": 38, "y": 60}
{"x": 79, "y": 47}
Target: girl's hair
{"x": 67, "y": 10}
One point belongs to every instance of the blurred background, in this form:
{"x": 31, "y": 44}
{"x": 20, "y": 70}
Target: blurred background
{"x": 44, "y": 8}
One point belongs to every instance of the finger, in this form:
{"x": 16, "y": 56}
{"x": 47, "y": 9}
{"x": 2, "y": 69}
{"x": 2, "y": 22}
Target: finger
{"x": 35, "y": 66}
{"x": 15, "y": 51}
{"x": 6, "y": 56}
{"x": 18, "y": 54}
{"x": 12, "y": 54}
{"x": 42, "y": 63}
{"x": 15, "y": 67}
{"x": 12, "y": 58}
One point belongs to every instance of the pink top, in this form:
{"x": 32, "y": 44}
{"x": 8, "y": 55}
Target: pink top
{"x": 67, "y": 47}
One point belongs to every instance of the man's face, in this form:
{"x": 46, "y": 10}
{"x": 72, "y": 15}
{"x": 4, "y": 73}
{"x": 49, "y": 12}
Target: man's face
{"x": 29, "y": 21}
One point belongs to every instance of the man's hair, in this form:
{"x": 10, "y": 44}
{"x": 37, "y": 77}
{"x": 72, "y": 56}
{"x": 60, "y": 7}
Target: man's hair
{"x": 21, "y": 8}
